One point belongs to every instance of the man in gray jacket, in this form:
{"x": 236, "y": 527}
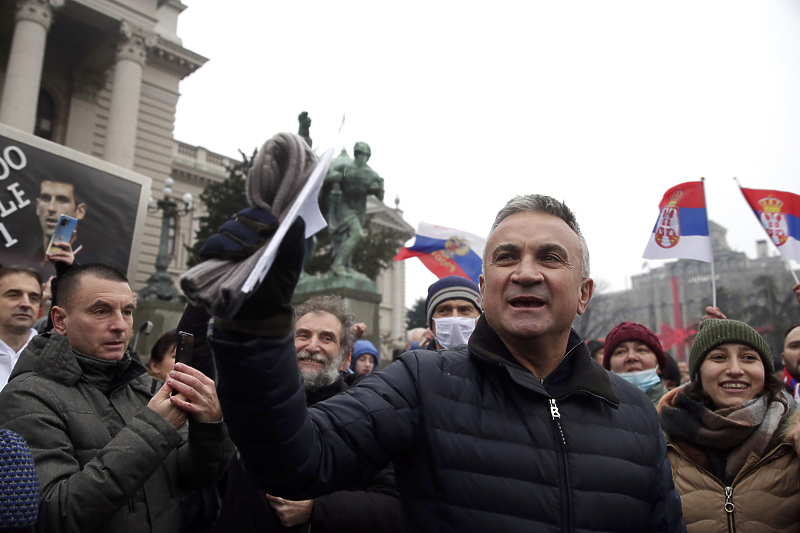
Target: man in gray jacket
{"x": 110, "y": 443}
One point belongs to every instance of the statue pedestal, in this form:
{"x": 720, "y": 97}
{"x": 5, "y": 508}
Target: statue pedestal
{"x": 360, "y": 297}
{"x": 164, "y": 315}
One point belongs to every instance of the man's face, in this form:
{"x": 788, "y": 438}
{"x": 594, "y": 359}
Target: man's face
{"x": 56, "y": 199}
{"x": 791, "y": 353}
{"x": 20, "y": 298}
{"x": 632, "y": 356}
{"x": 317, "y": 340}
{"x": 456, "y": 307}
{"x": 99, "y": 320}
{"x": 532, "y": 286}
{"x": 683, "y": 368}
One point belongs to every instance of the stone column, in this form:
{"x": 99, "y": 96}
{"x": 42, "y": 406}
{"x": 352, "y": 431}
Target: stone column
{"x": 398, "y": 307}
{"x": 123, "y": 111}
{"x": 25, "y": 60}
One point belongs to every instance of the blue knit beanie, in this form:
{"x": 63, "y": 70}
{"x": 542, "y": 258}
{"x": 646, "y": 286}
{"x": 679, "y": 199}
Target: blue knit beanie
{"x": 451, "y": 288}
{"x": 19, "y": 484}
{"x": 360, "y": 348}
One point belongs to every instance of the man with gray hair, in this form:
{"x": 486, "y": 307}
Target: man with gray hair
{"x": 519, "y": 430}
{"x": 323, "y": 339}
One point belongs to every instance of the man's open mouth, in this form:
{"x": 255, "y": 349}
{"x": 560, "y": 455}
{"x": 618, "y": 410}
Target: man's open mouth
{"x": 311, "y": 358}
{"x": 526, "y": 302}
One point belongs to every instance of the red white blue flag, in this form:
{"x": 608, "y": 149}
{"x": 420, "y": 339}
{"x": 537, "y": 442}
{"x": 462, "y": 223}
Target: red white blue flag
{"x": 446, "y": 251}
{"x": 779, "y": 213}
{"x": 681, "y": 230}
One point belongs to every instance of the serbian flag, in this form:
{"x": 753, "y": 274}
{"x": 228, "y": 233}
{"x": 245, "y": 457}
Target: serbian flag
{"x": 779, "y": 213}
{"x": 446, "y": 251}
{"x": 682, "y": 227}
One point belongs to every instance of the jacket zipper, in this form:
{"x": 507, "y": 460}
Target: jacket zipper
{"x": 566, "y": 504}
{"x": 729, "y": 507}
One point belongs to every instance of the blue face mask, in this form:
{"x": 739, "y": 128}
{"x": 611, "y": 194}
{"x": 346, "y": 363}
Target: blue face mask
{"x": 644, "y": 379}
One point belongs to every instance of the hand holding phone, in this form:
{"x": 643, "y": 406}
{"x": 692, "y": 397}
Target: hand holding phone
{"x": 183, "y": 350}
{"x": 63, "y": 232}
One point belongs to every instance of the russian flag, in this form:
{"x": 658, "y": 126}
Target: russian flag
{"x": 446, "y": 251}
{"x": 779, "y": 213}
{"x": 681, "y": 230}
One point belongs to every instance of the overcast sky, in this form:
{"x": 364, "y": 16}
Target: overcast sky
{"x": 604, "y": 105}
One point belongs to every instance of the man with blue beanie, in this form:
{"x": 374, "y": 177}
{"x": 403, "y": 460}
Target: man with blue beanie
{"x": 452, "y": 307}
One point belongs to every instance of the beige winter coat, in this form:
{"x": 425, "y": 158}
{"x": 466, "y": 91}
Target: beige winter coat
{"x": 764, "y": 496}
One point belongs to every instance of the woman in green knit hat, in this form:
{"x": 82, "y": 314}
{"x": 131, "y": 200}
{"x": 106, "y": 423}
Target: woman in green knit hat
{"x": 726, "y": 435}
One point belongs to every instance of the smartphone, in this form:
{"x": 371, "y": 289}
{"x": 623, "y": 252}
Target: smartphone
{"x": 63, "y": 232}
{"x": 183, "y": 350}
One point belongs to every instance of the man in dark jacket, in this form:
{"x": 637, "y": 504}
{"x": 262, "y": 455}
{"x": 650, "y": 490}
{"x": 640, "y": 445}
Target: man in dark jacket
{"x": 111, "y": 455}
{"x": 323, "y": 337}
{"x": 517, "y": 431}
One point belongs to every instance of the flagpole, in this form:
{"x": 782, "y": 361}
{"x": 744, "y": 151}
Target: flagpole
{"x": 787, "y": 261}
{"x": 713, "y": 274}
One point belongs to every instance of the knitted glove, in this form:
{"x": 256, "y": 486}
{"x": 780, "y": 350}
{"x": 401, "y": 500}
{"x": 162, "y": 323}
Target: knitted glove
{"x": 268, "y": 311}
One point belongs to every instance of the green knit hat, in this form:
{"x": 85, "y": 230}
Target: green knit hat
{"x": 714, "y": 331}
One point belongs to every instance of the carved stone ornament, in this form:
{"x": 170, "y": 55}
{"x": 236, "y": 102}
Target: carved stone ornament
{"x": 134, "y": 43}
{"x": 40, "y": 11}
{"x": 87, "y": 85}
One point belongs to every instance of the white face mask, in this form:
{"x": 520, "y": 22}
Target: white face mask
{"x": 644, "y": 379}
{"x": 453, "y": 330}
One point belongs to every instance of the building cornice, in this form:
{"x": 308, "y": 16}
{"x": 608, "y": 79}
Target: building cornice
{"x": 176, "y": 4}
{"x": 174, "y": 58}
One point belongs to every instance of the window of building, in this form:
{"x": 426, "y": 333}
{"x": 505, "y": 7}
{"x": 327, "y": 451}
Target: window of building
{"x": 45, "y": 116}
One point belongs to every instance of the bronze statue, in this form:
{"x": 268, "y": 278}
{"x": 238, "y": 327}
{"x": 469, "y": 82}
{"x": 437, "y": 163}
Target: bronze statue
{"x": 303, "y": 130}
{"x": 349, "y": 182}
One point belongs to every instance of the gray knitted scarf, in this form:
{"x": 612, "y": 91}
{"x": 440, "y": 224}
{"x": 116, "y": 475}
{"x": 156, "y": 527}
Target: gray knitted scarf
{"x": 280, "y": 170}
{"x": 738, "y": 431}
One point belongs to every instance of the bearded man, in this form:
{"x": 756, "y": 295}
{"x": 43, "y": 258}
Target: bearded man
{"x": 323, "y": 339}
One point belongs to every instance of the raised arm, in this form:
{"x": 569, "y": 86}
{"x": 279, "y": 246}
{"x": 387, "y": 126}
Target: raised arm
{"x": 290, "y": 451}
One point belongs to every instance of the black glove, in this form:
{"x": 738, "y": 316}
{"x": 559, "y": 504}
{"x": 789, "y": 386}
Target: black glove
{"x": 241, "y": 237}
{"x": 268, "y": 310}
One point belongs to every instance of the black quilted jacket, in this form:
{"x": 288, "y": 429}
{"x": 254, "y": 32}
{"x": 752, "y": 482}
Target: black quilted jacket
{"x": 478, "y": 443}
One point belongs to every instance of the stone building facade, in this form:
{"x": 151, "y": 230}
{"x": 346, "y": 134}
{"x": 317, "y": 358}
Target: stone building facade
{"x": 102, "y": 78}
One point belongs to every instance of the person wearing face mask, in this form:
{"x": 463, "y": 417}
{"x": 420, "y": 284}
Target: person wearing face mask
{"x": 452, "y": 307}
{"x": 634, "y": 353}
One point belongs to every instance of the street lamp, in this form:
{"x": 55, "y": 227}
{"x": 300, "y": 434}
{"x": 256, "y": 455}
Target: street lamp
{"x": 159, "y": 284}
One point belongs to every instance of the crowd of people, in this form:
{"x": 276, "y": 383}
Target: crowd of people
{"x": 499, "y": 416}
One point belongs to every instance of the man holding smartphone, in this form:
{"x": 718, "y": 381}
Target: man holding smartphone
{"x": 110, "y": 445}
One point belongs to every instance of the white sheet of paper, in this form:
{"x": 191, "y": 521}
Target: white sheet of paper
{"x": 306, "y": 206}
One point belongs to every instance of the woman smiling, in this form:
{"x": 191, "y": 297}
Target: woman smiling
{"x": 725, "y": 430}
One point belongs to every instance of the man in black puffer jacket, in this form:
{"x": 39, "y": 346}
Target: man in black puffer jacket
{"x": 518, "y": 431}
{"x": 323, "y": 341}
